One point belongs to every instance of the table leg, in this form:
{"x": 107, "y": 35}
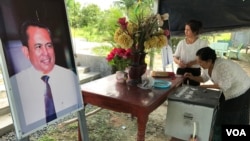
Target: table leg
{"x": 141, "y": 124}
{"x": 79, "y": 133}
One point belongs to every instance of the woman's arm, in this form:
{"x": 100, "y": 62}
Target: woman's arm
{"x": 191, "y": 63}
{"x": 214, "y": 86}
{"x": 176, "y": 60}
{"x": 200, "y": 79}
{"x": 180, "y": 63}
{"x": 195, "y": 78}
{"x": 177, "y": 55}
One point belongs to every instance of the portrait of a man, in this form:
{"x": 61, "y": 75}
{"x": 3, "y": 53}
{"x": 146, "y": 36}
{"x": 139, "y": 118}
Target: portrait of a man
{"x": 43, "y": 82}
{"x": 46, "y": 90}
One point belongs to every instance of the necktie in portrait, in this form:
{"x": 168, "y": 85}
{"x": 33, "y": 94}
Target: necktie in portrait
{"x": 48, "y": 100}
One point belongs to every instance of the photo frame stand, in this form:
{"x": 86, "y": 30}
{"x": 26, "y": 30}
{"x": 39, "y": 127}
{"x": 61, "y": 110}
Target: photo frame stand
{"x": 83, "y": 125}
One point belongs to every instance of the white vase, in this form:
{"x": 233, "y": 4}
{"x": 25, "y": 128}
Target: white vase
{"x": 121, "y": 76}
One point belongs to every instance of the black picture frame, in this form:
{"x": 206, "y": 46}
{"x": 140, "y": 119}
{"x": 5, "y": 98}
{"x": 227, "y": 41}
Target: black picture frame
{"x": 53, "y": 14}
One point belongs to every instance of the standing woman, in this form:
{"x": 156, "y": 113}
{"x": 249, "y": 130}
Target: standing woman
{"x": 184, "y": 55}
{"x": 234, "y": 83}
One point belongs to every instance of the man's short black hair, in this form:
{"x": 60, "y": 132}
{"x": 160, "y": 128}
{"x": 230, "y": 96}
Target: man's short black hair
{"x": 23, "y": 30}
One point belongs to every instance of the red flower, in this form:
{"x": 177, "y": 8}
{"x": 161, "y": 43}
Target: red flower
{"x": 119, "y": 57}
{"x": 167, "y": 32}
{"x": 110, "y": 57}
{"x": 123, "y": 23}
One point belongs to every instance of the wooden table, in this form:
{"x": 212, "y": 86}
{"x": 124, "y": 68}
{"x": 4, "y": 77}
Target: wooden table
{"x": 109, "y": 94}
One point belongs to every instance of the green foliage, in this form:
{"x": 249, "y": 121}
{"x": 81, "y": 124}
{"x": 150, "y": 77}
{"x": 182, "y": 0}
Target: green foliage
{"x": 173, "y": 42}
{"x": 224, "y": 37}
{"x": 101, "y": 126}
{"x": 73, "y": 13}
{"x": 109, "y": 23}
{"x": 91, "y": 23}
{"x": 72, "y": 126}
{"x": 130, "y": 7}
{"x": 77, "y": 32}
{"x": 125, "y": 5}
{"x": 46, "y": 138}
{"x": 215, "y": 37}
{"x": 102, "y": 50}
{"x": 90, "y": 15}
{"x": 209, "y": 37}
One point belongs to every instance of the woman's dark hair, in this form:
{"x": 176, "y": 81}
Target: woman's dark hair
{"x": 206, "y": 53}
{"x": 195, "y": 26}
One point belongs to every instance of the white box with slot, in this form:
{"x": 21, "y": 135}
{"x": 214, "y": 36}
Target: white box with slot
{"x": 190, "y": 107}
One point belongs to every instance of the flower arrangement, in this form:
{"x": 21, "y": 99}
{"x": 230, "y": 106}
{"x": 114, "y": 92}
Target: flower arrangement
{"x": 119, "y": 58}
{"x": 141, "y": 34}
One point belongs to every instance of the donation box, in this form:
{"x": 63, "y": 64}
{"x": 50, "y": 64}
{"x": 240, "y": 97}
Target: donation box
{"x": 191, "y": 110}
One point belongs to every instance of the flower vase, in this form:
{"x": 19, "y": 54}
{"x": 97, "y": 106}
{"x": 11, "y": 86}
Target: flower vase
{"x": 137, "y": 68}
{"x": 121, "y": 76}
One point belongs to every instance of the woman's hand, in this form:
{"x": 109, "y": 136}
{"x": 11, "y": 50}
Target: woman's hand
{"x": 182, "y": 64}
{"x": 191, "y": 63}
{"x": 188, "y": 75}
{"x": 196, "y": 78}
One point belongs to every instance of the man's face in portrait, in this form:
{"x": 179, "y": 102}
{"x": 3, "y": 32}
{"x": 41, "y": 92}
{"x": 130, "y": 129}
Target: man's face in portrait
{"x": 40, "y": 50}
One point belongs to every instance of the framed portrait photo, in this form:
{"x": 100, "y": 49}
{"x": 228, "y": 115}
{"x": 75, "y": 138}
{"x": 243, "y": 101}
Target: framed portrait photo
{"x": 38, "y": 63}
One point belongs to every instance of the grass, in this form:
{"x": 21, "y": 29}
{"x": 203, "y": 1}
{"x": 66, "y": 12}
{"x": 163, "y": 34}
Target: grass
{"x": 102, "y": 126}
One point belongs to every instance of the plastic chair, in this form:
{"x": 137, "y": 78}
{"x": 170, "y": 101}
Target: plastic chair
{"x": 235, "y": 51}
{"x": 221, "y": 48}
